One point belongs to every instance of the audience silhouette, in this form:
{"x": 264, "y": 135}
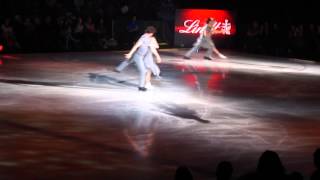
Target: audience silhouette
{"x": 316, "y": 160}
{"x": 269, "y": 167}
{"x": 224, "y": 170}
{"x": 183, "y": 173}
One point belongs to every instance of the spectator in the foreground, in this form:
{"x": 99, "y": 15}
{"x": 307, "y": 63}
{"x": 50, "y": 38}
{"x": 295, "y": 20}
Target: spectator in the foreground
{"x": 183, "y": 173}
{"x": 316, "y": 160}
{"x": 269, "y": 168}
{"x": 224, "y": 171}
{"x": 295, "y": 176}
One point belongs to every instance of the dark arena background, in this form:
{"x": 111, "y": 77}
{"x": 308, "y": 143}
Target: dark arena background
{"x": 66, "y": 112}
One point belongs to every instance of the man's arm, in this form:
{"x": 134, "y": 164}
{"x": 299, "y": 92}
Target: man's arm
{"x": 133, "y": 49}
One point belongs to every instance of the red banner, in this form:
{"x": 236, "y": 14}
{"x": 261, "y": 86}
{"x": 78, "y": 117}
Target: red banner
{"x": 190, "y": 22}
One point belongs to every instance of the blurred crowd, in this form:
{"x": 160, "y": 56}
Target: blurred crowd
{"x": 53, "y": 25}
{"x": 85, "y": 25}
{"x": 294, "y": 40}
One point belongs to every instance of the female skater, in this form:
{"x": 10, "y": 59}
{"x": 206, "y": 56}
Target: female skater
{"x": 139, "y": 52}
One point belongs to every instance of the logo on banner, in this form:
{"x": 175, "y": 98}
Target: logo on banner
{"x": 194, "y": 27}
